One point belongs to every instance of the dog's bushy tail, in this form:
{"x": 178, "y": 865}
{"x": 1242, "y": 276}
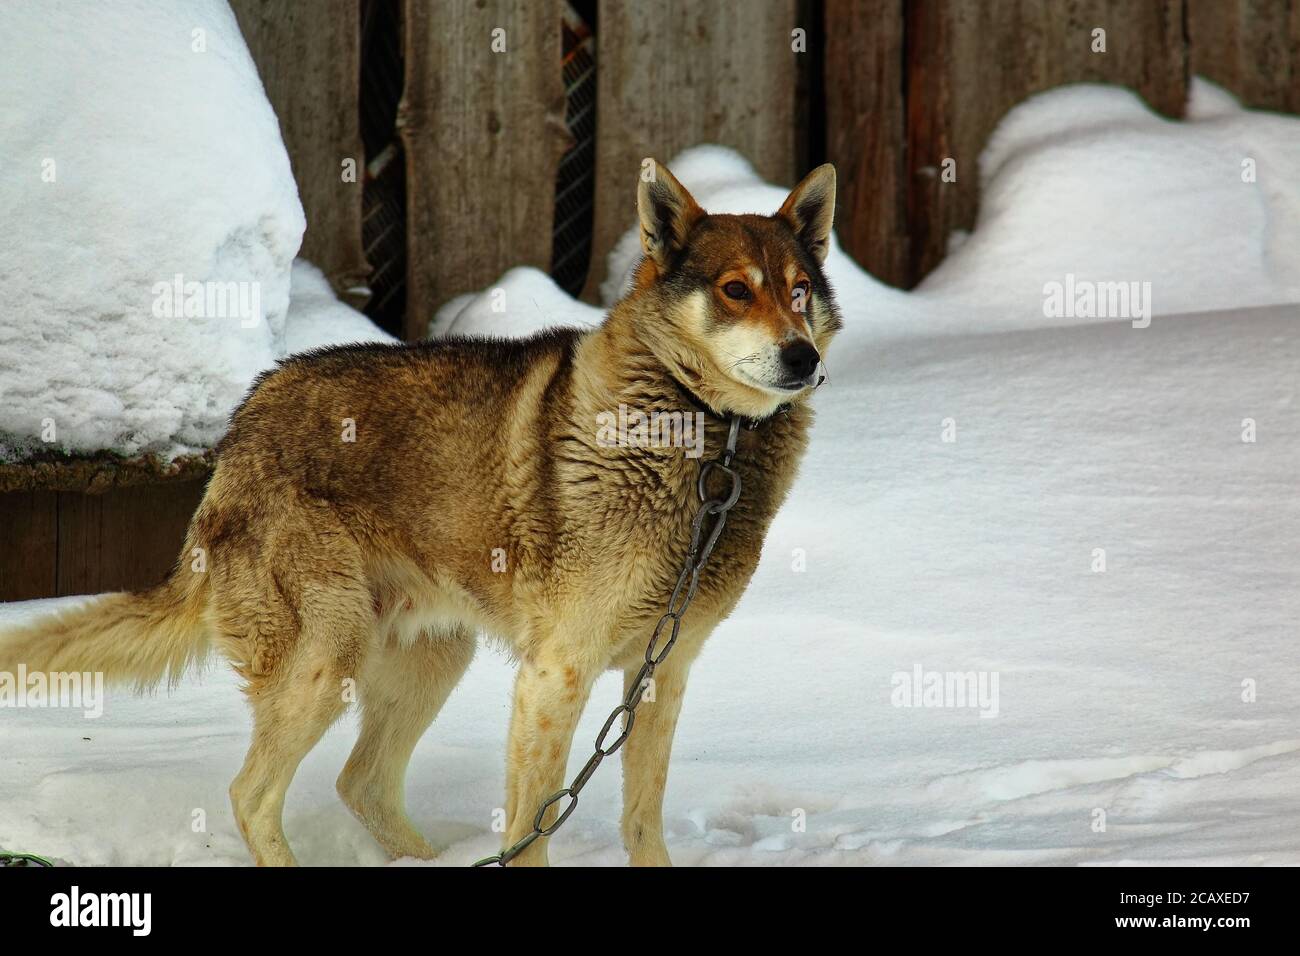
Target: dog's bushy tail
{"x": 134, "y": 639}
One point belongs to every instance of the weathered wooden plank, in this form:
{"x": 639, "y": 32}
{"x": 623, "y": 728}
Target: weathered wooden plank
{"x": 969, "y": 63}
{"x": 674, "y": 74}
{"x": 1251, "y": 47}
{"x": 124, "y": 539}
{"x": 97, "y": 473}
{"x": 482, "y": 121}
{"x": 309, "y": 58}
{"x": 29, "y": 535}
{"x": 866, "y": 133}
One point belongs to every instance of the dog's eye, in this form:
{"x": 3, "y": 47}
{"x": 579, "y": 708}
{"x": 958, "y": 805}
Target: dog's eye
{"x": 802, "y": 289}
{"x": 736, "y": 290}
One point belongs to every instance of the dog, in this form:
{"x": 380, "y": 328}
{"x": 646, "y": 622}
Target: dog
{"x": 373, "y": 508}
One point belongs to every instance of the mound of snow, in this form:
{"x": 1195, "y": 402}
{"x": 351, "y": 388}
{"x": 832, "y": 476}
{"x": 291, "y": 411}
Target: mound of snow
{"x": 524, "y": 301}
{"x": 317, "y": 318}
{"x": 1085, "y": 180}
{"x": 141, "y": 158}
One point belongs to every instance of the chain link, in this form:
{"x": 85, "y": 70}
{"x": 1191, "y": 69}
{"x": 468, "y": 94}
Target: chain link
{"x": 688, "y": 582}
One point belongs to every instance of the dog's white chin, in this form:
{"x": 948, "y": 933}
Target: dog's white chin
{"x": 769, "y": 388}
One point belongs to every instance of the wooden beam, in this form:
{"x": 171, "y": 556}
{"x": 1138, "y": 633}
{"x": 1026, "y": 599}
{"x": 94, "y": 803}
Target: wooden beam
{"x": 910, "y": 85}
{"x": 125, "y": 539}
{"x": 482, "y": 121}
{"x": 97, "y": 473}
{"x": 29, "y": 527}
{"x": 969, "y": 63}
{"x": 675, "y": 74}
{"x": 1251, "y": 47}
{"x": 866, "y": 133}
{"x": 309, "y": 58}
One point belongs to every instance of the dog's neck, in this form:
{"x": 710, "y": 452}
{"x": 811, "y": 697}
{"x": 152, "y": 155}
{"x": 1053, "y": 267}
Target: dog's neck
{"x": 614, "y": 365}
{"x": 705, "y": 408}
{"x": 640, "y": 365}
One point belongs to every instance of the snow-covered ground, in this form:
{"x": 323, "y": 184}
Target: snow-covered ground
{"x": 975, "y": 466}
{"x": 1118, "y": 690}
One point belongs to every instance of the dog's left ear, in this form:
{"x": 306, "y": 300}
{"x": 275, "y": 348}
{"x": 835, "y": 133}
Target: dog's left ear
{"x": 810, "y": 210}
{"x": 667, "y": 212}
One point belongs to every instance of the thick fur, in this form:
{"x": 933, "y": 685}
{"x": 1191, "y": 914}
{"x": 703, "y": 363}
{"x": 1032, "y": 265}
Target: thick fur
{"x": 139, "y": 639}
{"x": 477, "y": 498}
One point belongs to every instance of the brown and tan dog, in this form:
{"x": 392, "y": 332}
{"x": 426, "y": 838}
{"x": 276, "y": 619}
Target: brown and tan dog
{"x": 373, "y": 508}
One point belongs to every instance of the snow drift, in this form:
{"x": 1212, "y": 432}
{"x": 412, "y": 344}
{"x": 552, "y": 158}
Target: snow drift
{"x": 141, "y": 157}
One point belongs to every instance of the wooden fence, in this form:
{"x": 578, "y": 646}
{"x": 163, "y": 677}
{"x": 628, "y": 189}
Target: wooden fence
{"x": 886, "y": 90}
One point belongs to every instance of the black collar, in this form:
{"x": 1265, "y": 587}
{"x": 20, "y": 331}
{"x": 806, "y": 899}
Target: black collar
{"x": 748, "y": 423}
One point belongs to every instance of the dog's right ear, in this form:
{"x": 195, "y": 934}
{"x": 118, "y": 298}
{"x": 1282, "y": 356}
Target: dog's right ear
{"x": 810, "y": 210}
{"x": 666, "y": 211}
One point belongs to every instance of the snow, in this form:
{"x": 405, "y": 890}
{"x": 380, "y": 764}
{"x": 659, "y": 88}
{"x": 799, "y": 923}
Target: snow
{"x": 1162, "y": 691}
{"x": 316, "y": 318}
{"x": 523, "y": 301}
{"x": 1133, "y": 196}
{"x": 145, "y": 150}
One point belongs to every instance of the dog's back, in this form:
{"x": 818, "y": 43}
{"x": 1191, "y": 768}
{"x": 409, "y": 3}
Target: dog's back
{"x": 364, "y": 425}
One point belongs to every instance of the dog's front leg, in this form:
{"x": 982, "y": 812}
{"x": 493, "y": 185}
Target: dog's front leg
{"x": 645, "y": 761}
{"x": 550, "y": 693}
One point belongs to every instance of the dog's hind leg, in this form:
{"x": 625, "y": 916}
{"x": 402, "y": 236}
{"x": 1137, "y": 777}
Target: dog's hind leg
{"x": 303, "y": 638}
{"x": 290, "y": 714}
{"x": 402, "y": 689}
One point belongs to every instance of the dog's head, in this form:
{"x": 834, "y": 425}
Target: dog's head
{"x": 743, "y": 309}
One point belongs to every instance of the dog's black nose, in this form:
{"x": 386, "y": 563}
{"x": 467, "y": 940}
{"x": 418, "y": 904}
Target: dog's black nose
{"x": 800, "y": 359}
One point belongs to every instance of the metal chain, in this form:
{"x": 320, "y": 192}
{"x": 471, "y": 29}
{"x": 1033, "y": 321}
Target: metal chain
{"x": 702, "y": 544}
